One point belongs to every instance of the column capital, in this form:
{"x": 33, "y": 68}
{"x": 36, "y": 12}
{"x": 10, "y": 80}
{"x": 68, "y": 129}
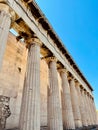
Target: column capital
{"x": 71, "y": 77}
{"x": 81, "y": 89}
{"x": 50, "y": 59}
{"x": 77, "y": 84}
{"x": 86, "y": 93}
{"x": 89, "y": 95}
{"x": 63, "y": 70}
{"x": 4, "y": 7}
{"x": 91, "y": 98}
{"x": 32, "y": 41}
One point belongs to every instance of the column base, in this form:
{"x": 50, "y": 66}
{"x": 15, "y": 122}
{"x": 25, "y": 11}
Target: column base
{"x": 93, "y": 127}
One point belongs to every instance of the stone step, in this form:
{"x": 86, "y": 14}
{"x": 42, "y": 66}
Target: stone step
{"x": 45, "y": 128}
{"x": 42, "y": 128}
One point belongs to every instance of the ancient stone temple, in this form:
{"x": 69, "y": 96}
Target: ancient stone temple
{"x": 41, "y": 87}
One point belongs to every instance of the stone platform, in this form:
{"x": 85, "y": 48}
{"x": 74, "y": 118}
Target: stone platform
{"x": 45, "y": 128}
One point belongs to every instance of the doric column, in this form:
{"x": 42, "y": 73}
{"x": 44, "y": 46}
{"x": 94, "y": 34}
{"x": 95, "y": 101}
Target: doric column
{"x": 94, "y": 111}
{"x": 75, "y": 104}
{"x": 80, "y": 100}
{"x": 89, "y": 110}
{"x": 5, "y": 22}
{"x": 85, "y": 108}
{"x": 31, "y": 91}
{"x": 68, "y": 119}
{"x": 4, "y": 111}
{"x": 54, "y": 109}
{"x": 82, "y": 107}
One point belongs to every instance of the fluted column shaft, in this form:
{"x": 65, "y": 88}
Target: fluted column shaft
{"x": 80, "y": 99}
{"x": 54, "y": 109}
{"x": 82, "y": 107}
{"x": 68, "y": 119}
{"x": 94, "y": 111}
{"x": 75, "y": 104}
{"x": 30, "y": 117}
{"x": 5, "y": 22}
{"x": 91, "y": 110}
{"x": 87, "y": 109}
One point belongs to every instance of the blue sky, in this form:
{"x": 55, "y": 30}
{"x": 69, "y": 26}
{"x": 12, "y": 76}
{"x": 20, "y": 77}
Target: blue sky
{"x": 76, "y": 23}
